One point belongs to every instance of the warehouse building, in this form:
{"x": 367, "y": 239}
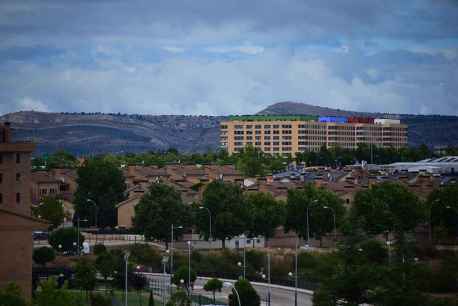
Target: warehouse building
{"x": 292, "y": 134}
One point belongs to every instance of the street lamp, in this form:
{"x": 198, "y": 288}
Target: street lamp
{"x": 244, "y": 255}
{"x": 307, "y": 220}
{"x": 171, "y": 248}
{"x": 210, "y": 223}
{"x": 126, "y": 259}
{"x": 231, "y": 286}
{"x": 268, "y": 279}
{"x": 291, "y": 274}
{"x": 78, "y": 234}
{"x": 189, "y": 268}
{"x": 96, "y": 209}
{"x": 334, "y": 220}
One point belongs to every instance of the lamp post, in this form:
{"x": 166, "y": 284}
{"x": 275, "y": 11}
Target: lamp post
{"x": 171, "y": 249}
{"x": 96, "y": 211}
{"x": 244, "y": 255}
{"x": 307, "y": 220}
{"x": 295, "y": 274}
{"x": 189, "y": 268}
{"x": 230, "y": 285}
{"x": 334, "y": 220}
{"x": 210, "y": 236}
{"x": 126, "y": 259}
{"x": 268, "y": 279}
{"x": 78, "y": 220}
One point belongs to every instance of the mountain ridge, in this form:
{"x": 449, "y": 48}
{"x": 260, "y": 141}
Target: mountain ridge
{"x": 98, "y": 133}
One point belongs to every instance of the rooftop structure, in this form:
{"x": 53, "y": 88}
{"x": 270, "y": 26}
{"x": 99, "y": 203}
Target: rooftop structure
{"x": 443, "y": 165}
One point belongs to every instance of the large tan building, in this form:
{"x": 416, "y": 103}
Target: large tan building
{"x": 16, "y": 223}
{"x": 292, "y": 134}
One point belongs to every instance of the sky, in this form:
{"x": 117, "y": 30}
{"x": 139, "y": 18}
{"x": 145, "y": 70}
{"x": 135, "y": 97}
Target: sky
{"x": 216, "y": 57}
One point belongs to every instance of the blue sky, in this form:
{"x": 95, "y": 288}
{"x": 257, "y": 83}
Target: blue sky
{"x": 228, "y": 57}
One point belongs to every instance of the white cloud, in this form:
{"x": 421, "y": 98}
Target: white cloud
{"x": 244, "y": 49}
{"x": 27, "y": 103}
{"x": 173, "y": 49}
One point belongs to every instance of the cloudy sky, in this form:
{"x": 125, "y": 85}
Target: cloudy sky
{"x": 226, "y": 57}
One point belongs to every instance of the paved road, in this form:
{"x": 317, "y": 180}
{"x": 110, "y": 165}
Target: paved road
{"x": 280, "y": 296}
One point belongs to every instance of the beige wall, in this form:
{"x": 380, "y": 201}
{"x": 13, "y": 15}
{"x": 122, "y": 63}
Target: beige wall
{"x": 126, "y": 211}
{"x": 298, "y": 136}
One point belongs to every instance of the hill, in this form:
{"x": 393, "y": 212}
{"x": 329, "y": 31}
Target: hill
{"x": 96, "y": 133}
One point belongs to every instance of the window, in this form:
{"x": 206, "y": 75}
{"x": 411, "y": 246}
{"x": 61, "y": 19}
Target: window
{"x": 18, "y": 198}
{"x": 1, "y": 158}
{"x": 1, "y": 198}
{"x": 18, "y": 158}
{"x": 18, "y": 177}
{"x": 1, "y": 178}
{"x": 223, "y": 126}
{"x": 257, "y": 126}
{"x": 267, "y": 126}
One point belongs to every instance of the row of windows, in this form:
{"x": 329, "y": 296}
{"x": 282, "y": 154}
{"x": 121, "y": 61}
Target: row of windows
{"x": 18, "y": 198}
{"x": 18, "y": 177}
{"x": 18, "y": 158}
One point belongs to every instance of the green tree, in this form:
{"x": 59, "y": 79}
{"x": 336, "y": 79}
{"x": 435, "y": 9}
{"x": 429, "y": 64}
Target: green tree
{"x": 266, "y": 214}
{"x": 248, "y": 296}
{"x": 11, "y": 296}
{"x": 43, "y": 255}
{"x": 102, "y": 183}
{"x": 151, "y": 299}
{"x": 157, "y": 210}
{"x": 67, "y": 238}
{"x": 182, "y": 274}
{"x": 229, "y": 212}
{"x": 145, "y": 255}
{"x": 105, "y": 264}
{"x": 251, "y": 161}
{"x": 62, "y": 159}
{"x": 85, "y": 275}
{"x": 52, "y": 210}
{"x": 98, "y": 299}
{"x": 322, "y": 204}
{"x": 179, "y": 298}
{"x": 388, "y": 207}
{"x": 99, "y": 249}
{"x": 213, "y": 285}
{"x": 442, "y": 207}
{"x": 50, "y": 295}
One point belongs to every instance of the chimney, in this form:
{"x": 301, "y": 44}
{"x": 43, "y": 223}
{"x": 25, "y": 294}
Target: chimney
{"x": 6, "y": 132}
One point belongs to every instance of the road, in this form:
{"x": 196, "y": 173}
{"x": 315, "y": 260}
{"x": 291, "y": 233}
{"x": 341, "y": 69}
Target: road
{"x": 280, "y": 296}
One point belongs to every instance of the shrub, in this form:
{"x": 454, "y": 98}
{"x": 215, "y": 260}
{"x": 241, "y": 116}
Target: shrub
{"x": 65, "y": 237}
{"x": 99, "y": 249}
{"x": 100, "y": 300}
{"x": 248, "y": 296}
{"x": 43, "y": 255}
{"x": 11, "y": 296}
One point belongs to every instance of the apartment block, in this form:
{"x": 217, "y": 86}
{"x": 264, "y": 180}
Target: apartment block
{"x": 16, "y": 222}
{"x": 292, "y": 134}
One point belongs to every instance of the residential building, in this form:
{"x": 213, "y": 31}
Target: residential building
{"x": 16, "y": 222}
{"x": 292, "y": 134}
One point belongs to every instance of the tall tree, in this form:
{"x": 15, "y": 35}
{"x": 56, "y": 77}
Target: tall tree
{"x": 323, "y": 205}
{"x": 52, "y": 210}
{"x": 102, "y": 184}
{"x": 157, "y": 210}
{"x": 266, "y": 214}
{"x": 251, "y": 161}
{"x": 85, "y": 275}
{"x": 229, "y": 213}
{"x": 388, "y": 208}
{"x": 443, "y": 209}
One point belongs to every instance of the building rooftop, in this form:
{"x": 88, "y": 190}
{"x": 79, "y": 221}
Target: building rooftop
{"x": 272, "y": 118}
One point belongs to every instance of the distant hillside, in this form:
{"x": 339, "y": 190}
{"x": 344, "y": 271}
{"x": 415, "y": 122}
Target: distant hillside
{"x": 433, "y": 130}
{"x": 97, "y": 133}
{"x": 113, "y": 133}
